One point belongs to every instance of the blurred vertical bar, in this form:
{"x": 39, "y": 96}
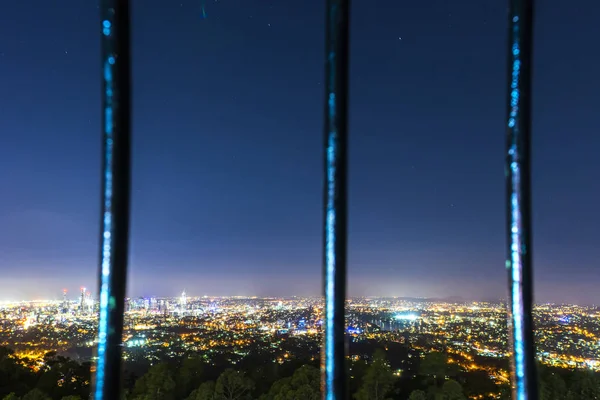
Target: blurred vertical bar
{"x": 116, "y": 132}
{"x": 333, "y": 360}
{"x": 518, "y": 185}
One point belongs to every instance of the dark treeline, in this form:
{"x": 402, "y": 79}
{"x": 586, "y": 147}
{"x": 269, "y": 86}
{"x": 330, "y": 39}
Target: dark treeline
{"x": 390, "y": 372}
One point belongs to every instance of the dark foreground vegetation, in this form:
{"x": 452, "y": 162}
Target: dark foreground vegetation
{"x": 377, "y": 377}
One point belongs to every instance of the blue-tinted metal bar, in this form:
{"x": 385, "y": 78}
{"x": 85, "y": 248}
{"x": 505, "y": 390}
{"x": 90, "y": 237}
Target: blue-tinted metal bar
{"x": 334, "y": 385}
{"x": 518, "y": 164}
{"x": 116, "y": 132}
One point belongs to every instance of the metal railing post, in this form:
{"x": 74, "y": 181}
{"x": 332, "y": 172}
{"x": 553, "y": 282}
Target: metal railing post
{"x": 116, "y": 175}
{"x": 518, "y": 189}
{"x": 333, "y": 360}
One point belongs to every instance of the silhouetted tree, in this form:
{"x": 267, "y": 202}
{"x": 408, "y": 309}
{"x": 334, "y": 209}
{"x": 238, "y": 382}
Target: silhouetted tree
{"x": 282, "y": 385}
{"x": 36, "y": 394}
{"x": 189, "y": 376}
{"x": 584, "y": 385}
{"x": 451, "y": 390}
{"x": 61, "y": 376}
{"x": 552, "y": 387}
{"x": 11, "y": 396}
{"x": 357, "y": 370}
{"x": 477, "y": 383}
{"x": 378, "y": 380}
{"x": 303, "y": 385}
{"x": 418, "y": 395}
{"x": 14, "y": 377}
{"x": 233, "y": 385}
{"x": 435, "y": 365}
{"x": 206, "y": 391}
{"x": 156, "y": 384}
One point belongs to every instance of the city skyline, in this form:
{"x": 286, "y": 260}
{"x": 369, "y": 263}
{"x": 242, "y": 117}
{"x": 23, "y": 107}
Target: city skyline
{"x": 227, "y": 149}
{"x": 256, "y": 337}
{"x": 567, "y": 335}
{"x": 91, "y": 293}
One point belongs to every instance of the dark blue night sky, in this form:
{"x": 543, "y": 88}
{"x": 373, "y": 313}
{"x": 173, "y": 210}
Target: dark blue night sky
{"x": 228, "y": 117}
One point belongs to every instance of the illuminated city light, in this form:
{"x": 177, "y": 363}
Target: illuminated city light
{"x": 406, "y": 317}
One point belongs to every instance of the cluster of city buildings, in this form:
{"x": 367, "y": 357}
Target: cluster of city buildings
{"x": 471, "y": 333}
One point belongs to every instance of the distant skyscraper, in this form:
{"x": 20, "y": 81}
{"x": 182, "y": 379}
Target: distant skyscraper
{"x": 183, "y": 301}
{"x": 82, "y": 301}
{"x": 89, "y": 303}
{"x": 65, "y": 303}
